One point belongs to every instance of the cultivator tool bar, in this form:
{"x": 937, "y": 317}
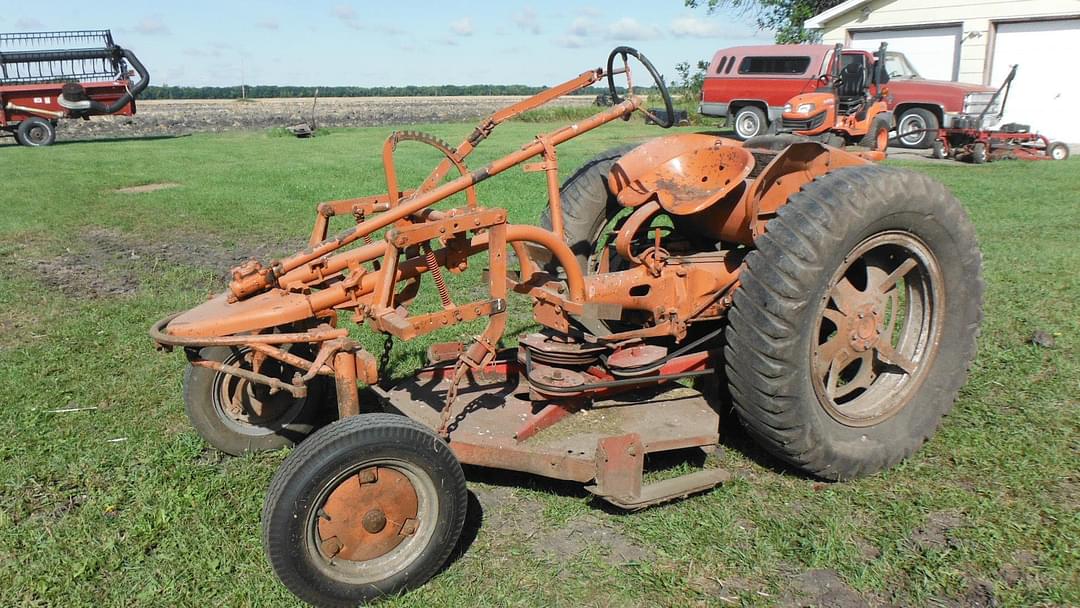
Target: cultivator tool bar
{"x": 706, "y": 261}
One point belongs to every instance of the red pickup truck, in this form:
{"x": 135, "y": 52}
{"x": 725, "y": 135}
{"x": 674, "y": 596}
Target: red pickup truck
{"x": 749, "y": 85}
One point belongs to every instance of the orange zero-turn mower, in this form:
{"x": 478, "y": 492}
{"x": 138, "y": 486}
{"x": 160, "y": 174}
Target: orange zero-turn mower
{"x": 850, "y": 109}
{"x": 841, "y": 330}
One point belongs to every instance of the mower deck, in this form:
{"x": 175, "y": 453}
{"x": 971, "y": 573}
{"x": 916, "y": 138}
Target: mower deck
{"x": 603, "y": 441}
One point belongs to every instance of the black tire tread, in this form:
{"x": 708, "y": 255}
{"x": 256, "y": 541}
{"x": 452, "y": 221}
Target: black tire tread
{"x": 762, "y": 327}
{"x": 384, "y": 428}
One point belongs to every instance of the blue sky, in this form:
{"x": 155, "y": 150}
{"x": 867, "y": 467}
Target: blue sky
{"x": 364, "y": 43}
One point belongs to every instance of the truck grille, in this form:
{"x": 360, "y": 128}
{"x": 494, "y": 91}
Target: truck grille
{"x": 809, "y": 124}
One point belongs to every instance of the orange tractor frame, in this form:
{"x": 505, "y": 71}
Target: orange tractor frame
{"x": 690, "y": 256}
{"x": 851, "y": 110}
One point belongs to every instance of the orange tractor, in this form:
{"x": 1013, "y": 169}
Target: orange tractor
{"x": 834, "y": 303}
{"x": 850, "y": 109}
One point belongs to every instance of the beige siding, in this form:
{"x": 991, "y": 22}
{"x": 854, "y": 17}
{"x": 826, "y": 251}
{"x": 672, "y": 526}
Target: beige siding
{"x": 976, "y": 18}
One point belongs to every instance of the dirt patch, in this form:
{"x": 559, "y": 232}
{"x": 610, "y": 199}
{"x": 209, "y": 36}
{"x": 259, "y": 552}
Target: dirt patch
{"x": 821, "y": 589}
{"x": 979, "y": 594}
{"x": 509, "y": 517}
{"x": 104, "y": 262}
{"x": 147, "y": 188}
{"x": 1017, "y": 570}
{"x": 936, "y": 533}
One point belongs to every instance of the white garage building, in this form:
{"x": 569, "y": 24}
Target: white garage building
{"x": 978, "y": 42}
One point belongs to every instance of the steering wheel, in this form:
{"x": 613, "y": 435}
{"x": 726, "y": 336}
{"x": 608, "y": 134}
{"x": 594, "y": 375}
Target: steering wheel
{"x": 624, "y": 52}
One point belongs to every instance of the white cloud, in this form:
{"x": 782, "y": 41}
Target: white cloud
{"x": 572, "y": 41}
{"x": 629, "y": 28}
{"x": 346, "y": 15}
{"x": 268, "y": 24}
{"x": 151, "y": 25}
{"x": 462, "y": 27}
{"x": 582, "y": 26}
{"x": 695, "y": 27}
{"x": 527, "y": 20}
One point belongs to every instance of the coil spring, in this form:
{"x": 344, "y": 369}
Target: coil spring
{"x": 436, "y": 275}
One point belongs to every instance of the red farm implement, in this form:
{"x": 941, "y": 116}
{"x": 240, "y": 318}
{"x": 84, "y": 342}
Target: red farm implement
{"x": 41, "y": 82}
{"x": 971, "y": 140}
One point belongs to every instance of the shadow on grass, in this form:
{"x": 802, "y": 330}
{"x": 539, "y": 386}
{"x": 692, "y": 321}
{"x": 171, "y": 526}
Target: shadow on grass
{"x": 110, "y": 140}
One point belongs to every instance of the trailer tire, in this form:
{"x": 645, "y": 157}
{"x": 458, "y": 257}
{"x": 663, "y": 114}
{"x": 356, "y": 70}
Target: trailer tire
{"x": 1058, "y": 150}
{"x": 236, "y": 433}
{"x": 781, "y": 324}
{"x": 36, "y": 132}
{"x": 587, "y": 206}
{"x": 937, "y": 150}
{"x": 978, "y": 153}
{"x": 415, "y": 477}
{"x": 916, "y": 119}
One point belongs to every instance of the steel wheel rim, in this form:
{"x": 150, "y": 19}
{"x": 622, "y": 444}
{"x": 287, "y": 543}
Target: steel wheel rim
{"x": 912, "y": 123}
{"x": 1057, "y": 153}
{"x": 37, "y": 134}
{"x": 234, "y": 397}
{"x": 878, "y": 329}
{"x": 882, "y": 141}
{"x": 325, "y": 548}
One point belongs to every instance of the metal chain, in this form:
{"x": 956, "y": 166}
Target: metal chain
{"x": 384, "y": 360}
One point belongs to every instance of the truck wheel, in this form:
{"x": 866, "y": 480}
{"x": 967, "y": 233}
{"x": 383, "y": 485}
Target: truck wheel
{"x": 877, "y": 138}
{"x": 1058, "y": 150}
{"x": 749, "y": 122}
{"x": 588, "y": 206}
{"x": 916, "y": 119}
{"x": 36, "y": 132}
{"x": 978, "y": 153}
{"x": 367, "y": 507}
{"x": 238, "y": 416}
{"x": 855, "y": 322}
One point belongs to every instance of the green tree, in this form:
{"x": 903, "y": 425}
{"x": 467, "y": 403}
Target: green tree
{"x": 690, "y": 80}
{"x": 784, "y": 18}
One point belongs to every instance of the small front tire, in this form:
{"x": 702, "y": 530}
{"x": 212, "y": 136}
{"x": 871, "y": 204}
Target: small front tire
{"x": 1058, "y": 150}
{"x": 978, "y": 153}
{"x": 367, "y": 507}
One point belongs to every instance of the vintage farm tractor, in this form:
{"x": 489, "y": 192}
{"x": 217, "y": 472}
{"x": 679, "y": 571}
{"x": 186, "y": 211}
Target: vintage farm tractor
{"x": 851, "y": 110}
{"x": 840, "y": 300}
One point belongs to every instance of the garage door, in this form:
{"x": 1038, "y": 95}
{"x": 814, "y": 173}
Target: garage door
{"x": 1046, "y": 92}
{"x": 934, "y": 51}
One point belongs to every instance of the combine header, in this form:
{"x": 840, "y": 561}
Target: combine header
{"x": 42, "y": 81}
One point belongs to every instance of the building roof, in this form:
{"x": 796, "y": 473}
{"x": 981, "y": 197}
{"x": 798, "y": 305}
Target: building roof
{"x": 818, "y": 21}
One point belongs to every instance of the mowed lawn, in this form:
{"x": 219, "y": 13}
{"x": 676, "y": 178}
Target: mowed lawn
{"x": 124, "y": 505}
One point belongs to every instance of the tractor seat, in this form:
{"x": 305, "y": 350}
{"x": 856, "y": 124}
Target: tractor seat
{"x": 852, "y": 90}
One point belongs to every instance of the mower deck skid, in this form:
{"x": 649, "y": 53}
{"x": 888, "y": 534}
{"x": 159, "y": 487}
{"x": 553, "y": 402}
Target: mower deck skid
{"x": 603, "y": 441}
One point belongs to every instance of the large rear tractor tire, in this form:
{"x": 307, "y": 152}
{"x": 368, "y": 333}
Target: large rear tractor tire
{"x": 366, "y": 508}
{"x": 238, "y": 416}
{"x": 856, "y": 321}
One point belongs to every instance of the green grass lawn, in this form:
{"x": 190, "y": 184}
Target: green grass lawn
{"x": 124, "y": 505}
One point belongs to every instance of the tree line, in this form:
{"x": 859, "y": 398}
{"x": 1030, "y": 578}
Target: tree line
{"x": 269, "y": 91}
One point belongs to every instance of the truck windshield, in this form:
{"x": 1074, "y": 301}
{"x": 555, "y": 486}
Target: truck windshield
{"x": 898, "y": 66}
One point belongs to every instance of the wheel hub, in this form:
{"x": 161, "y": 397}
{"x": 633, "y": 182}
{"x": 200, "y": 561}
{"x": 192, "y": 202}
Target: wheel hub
{"x": 864, "y": 329}
{"x": 367, "y": 515}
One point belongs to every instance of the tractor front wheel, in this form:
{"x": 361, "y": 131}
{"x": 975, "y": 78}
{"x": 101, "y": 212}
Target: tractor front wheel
{"x": 367, "y": 507}
{"x": 236, "y": 415}
{"x": 855, "y": 322}
{"x": 1058, "y": 150}
{"x": 877, "y": 138}
{"x": 978, "y": 153}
